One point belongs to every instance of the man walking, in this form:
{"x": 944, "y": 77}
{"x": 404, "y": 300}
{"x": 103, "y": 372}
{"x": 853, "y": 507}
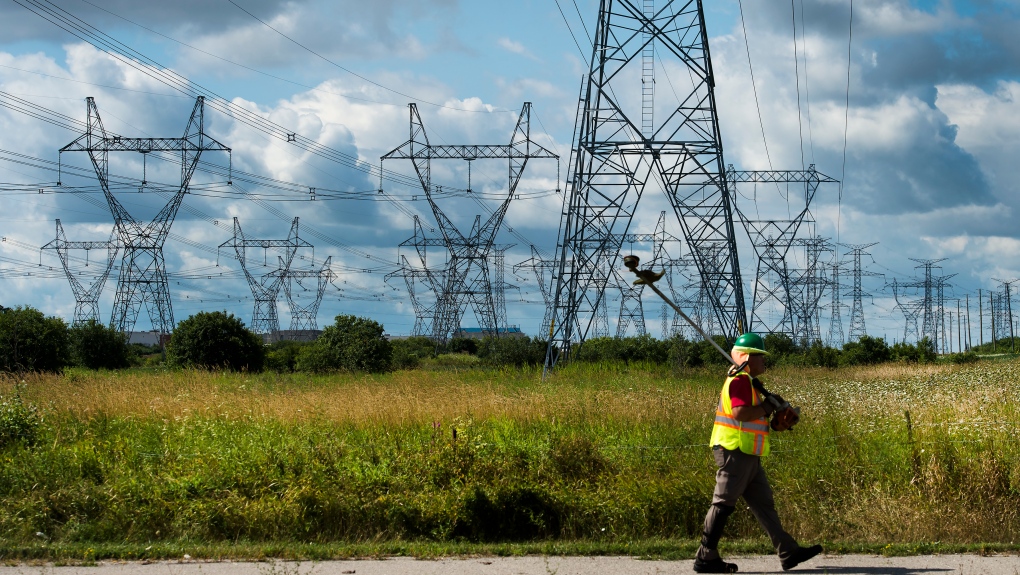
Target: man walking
{"x": 740, "y": 438}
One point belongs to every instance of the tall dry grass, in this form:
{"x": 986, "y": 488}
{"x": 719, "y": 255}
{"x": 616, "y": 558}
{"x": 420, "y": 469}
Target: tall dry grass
{"x": 400, "y": 398}
{"x": 613, "y": 446}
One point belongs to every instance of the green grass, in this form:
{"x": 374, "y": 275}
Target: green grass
{"x": 599, "y": 459}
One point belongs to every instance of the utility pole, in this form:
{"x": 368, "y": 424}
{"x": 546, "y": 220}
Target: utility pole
{"x": 991, "y": 309}
{"x": 970, "y": 341}
{"x": 959, "y": 331}
{"x": 981, "y": 319}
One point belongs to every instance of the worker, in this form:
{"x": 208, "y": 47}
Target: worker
{"x": 740, "y": 438}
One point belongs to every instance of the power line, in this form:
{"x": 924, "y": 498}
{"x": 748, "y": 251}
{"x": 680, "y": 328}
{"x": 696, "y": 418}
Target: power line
{"x": 351, "y": 72}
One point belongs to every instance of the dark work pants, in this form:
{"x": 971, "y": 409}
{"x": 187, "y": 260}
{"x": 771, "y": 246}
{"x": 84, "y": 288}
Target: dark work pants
{"x": 741, "y": 475}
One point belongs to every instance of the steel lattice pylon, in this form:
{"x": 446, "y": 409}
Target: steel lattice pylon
{"x": 143, "y": 271}
{"x": 836, "y": 310}
{"x": 911, "y": 311}
{"x": 807, "y": 286}
{"x": 1002, "y": 312}
{"x": 931, "y": 305}
{"x": 772, "y": 240}
{"x": 466, "y": 278}
{"x": 304, "y": 317}
{"x": 86, "y": 299}
{"x": 266, "y": 289}
{"x": 615, "y": 157}
{"x": 544, "y": 271}
{"x": 857, "y": 328}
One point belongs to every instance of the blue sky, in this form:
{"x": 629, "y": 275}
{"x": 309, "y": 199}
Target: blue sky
{"x": 931, "y": 137}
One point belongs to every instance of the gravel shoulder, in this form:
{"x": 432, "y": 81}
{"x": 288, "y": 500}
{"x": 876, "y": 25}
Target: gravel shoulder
{"x": 544, "y": 565}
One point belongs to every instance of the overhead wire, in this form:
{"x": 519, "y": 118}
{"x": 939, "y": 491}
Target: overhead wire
{"x": 351, "y": 72}
{"x": 134, "y": 59}
{"x": 796, "y": 68}
{"x": 584, "y": 58}
{"x": 846, "y": 120}
{"x": 807, "y": 86}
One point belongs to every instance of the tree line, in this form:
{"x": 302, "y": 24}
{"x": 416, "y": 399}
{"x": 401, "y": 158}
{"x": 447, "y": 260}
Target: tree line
{"x": 31, "y": 341}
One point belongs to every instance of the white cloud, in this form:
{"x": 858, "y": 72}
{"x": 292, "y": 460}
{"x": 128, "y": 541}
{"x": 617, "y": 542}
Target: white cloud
{"x": 515, "y": 47}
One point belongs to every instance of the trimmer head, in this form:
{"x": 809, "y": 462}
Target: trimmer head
{"x": 645, "y": 277}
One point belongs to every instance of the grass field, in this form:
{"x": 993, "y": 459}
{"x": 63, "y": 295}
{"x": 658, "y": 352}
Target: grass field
{"x": 596, "y": 459}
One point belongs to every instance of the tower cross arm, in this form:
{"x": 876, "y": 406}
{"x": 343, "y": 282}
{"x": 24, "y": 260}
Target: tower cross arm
{"x": 121, "y": 144}
{"x": 779, "y": 176}
{"x": 457, "y": 152}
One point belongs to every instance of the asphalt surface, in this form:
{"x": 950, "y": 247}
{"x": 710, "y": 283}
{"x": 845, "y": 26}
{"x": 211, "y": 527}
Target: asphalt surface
{"x": 537, "y": 565}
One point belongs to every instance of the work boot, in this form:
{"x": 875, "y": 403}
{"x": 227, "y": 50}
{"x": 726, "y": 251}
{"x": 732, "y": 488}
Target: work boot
{"x": 716, "y": 565}
{"x": 799, "y": 556}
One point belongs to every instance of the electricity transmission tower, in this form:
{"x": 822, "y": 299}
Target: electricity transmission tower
{"x": 466, "y": 277}
{"x": 266, "y": 289}
{"x": 931, "y": 303}
{"x": 303, "y": 316}
{"x": 544, "y": 271}
{"x": 86, "y": 299}
{"x": 807, "y": 286}
{"x": 1004, "y": 312}
{"x": 623, "y": 146}
{"x": 142, "y": 276}
{"x": 911, "y": 311}
{"x": 836, "y": 312}
{"x": 857, "y": 328}
{"x": 772, "y": 240}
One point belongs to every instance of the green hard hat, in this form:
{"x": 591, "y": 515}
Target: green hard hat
{"x": 750, "y": 343}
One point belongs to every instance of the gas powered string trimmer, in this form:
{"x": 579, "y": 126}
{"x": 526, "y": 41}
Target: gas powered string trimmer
{"x": 648, "y": 277}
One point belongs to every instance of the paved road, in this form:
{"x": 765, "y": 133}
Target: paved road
{"x": 834, "y": 564}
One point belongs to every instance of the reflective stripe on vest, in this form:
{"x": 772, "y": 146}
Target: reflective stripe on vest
{"x": 751, "y": 437}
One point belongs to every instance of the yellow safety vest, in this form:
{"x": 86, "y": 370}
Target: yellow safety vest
{"x": 751, "y": 437}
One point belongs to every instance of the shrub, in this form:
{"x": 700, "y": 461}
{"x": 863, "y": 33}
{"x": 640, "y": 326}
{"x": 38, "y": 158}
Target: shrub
{"x": 215, "y": 340}
{"x": 821, "y": 355}
{"x": 96, "y": 346}
{"x": 963, "y": 358}
{"x": 866, "y": 351}
{"x": 408, "y": 353}
{"x": 599, "y": 349}
{"x": 709, "y": 354}
{"x": 281, "y": 356}
{"x": 462, "y": 345}
{"x": 18, "y": 422}
{"x": 780, "y": 346}
{"x": 351, "y": 344}
{"x": 515, "y": 351}
{"x": 926, "y": 350}
{"x": 683, "y": 353}
{"x": 30, "y": 341}
{"x": 628, "y": 349}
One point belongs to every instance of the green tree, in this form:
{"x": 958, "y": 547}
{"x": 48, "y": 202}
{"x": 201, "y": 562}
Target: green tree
{"x": 281, "y": 356}
{"x": 96, "y": 346}
{"x": 866, "y": 351}
{"x": 30, "y": 341}
{"x": 462, "y": 345}
{"x": 409, "y": 352}
{"x": 512, "y": 350}
{"x": 351, "y": 344}
{"x": 215, "y": 340}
